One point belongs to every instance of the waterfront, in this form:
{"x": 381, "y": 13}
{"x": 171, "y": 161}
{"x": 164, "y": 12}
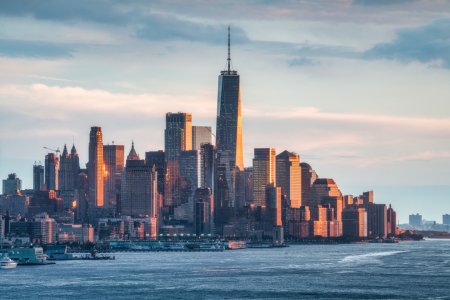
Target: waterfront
{"x": 409, "y": 270}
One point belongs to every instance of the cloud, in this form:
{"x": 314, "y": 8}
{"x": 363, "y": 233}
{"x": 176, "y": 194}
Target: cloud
{"x": 426, "y": 44}
{"x": 33, "y": 49}
{"x": 382, "y": 2}
{"x": 303, "y": 61}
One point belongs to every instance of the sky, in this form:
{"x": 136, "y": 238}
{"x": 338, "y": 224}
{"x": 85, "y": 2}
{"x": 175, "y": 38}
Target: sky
{"x": 358, "y": 88}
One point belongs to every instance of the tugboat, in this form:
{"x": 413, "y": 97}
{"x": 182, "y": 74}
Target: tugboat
{"x": 7, "y": 263}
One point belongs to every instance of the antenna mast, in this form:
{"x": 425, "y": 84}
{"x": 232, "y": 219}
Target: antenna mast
{"x": 229, "y": 59}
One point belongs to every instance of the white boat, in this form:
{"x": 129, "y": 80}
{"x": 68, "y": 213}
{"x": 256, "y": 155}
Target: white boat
{"x": 7, "y": 263}
{"x": 174, "y": 247}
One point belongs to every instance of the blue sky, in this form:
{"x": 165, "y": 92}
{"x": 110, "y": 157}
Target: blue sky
{"x": 358, "y": 88}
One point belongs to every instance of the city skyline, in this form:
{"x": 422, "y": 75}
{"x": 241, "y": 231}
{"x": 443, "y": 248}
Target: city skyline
{"x": 389, "y": 145}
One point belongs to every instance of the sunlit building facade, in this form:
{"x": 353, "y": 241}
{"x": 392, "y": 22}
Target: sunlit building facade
{"x": 322, "y": 188}
{"x": 308, "y": 178}
{"x": 354, "y": 222}
{"x": 200, "y": 135}
{"x": 51, "y": 171}
{"x": 177, "y": 138}
{"x": 264, "y": 173}
{"x": 96, "y": 167}
{"x": 114, "y": 157}
{"x": 289, "y": 177}
{"x": 11, "y": 184}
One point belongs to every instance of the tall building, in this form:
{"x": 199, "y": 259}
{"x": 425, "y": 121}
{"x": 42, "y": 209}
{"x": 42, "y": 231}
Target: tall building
{"x": 354, "y": 222}
{"x": 415, "y": 220}
{"x": 15, "y": 203}
{"x": 376, "y": 219}
{"x": 113, "y": 157}
{"x": 200, "y": 135}
{"x": 96, "y": 167}
{"x": 308, "y": 178}
{"x": 203, "y": 212}
{"x": 38, "y": 177}
{"x": 177, "y": 138}
{"x": 75, "y": 165}
{"x": 274, "y": 204}
{"x": 66, "y": 173}
{"x": 190, "y": 174}
{"x": 446, "y": 219}
{"x": 222, "y": 189}
{"x": 45, "y": 201}
{"x": 391, "y": 221}
{"x": 133, "y": 155}
{"x": 208, "y": 160}
{"x": 289, "y": 177}
{"x": 141, "y": 190}
{"x": 229, "y": 121}
{"x": 11, "y": 184}
{"x": 248, "y": 181}
{"x": 51, "y": 172}
{"x": 81, "y": 197}
{"x": 156, "y": 158}
{"x": 322, "y": 188}
{"x": 264, "y": 173}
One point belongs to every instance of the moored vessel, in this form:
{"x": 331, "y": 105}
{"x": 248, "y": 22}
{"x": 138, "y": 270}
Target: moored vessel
{"x": 7, "y": 263}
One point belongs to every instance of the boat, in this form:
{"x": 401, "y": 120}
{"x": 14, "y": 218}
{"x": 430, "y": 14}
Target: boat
{"x": 7, "y": 263}
{"x": 176, "y": 246}
{"x": 97, "y": 256}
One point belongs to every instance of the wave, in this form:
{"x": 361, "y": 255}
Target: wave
{"x": 368, "y": 257}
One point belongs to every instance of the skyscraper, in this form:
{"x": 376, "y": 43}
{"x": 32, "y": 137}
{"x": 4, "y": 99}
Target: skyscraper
{"x": 200, "y": 135}
{"x": 38, "y": 177}
{"x": 229, "y": 122}
{"x": 177, "y": 138}
{"x": 51, "y": 172}
{"x": 113, "y": 157}
{"x": 141, "y": 190}
{"x": 203, "y": 212}
{"x": 264, "y": 173}
{"x": 321, "y": 188}
{"x": 156, "y": 158}
{"x": 75, "y": 165}
{"x": 96, "y": 167}
{"x": 65, "y": 174}
{"x": 308, "y": 178}
{"x": 190, "y": 174}
{"x": 289, "y": 177}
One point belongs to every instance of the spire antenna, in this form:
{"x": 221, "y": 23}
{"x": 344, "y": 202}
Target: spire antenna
{"x": 229, "y": 59}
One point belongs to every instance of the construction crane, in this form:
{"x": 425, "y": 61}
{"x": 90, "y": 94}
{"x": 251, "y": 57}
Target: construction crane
{"x": 57, "y": 150}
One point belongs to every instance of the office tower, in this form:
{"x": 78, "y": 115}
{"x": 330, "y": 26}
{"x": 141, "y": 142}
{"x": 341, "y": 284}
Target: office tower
{"x": 248, "y": 181}
{"x": 415, "y": 220}
{"x": 376, "y": 219}
{"x": 336, "y": 204}
{"x": 391, "y": 221}
{"x": 264, "y": 173}
{"x": 190, "y": 174}
{"x": 229, "y": 122}
{"x": 347, "y": 200}
{"x": 11, "y": 184}
{"x": 15, "y": 203}
{"x": 156, "y": 158}
{"x": 66, "y": 173}
{"x": 2, "y": 227}
{"x": 200, "y": 135}
{"x": 75, "y": 165}
{"x": 289, "y": 177}
{"x": 96, "y": 167}
{"x": 208, "y": 160}
{"x": 82, "y": 193}
{"x": 45, "y": 201}
{"x": 446, "y": 219}
{"x": 203, "y": 212}
{"x": 367, "y": 197}
{"x": 51, "y": 172}
{"x": 322, "y": 188}
{"x": 177, "y": 138}
{"x": 222, "y": 189}
{"x": 113, "y": 157}
{"x": 308, "y": 178}
{"x": 38, "y": 177}
{"x": 354, "y": 222}
{"x": 274, "y": 204}
{"x": 133, "y": 155}
{"x": 44, "y": 230}
{"x": 141, "y": 190}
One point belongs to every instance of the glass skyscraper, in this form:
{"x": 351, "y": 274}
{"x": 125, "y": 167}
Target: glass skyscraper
{"x": 229, "y": 121}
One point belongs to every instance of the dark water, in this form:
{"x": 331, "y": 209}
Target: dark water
{"x": 409, "y": 270}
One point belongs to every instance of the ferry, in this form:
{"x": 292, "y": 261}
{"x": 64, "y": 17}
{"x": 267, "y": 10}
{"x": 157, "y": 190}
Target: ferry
{"x": 175, "y": 246}
{"x": 7, "y": 263}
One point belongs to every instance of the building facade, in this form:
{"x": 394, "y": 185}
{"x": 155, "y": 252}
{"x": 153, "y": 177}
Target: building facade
{"x": 264, "y": 174}
{"x": 289, "y": 177}
{"x": 96, "y": 167}
{"x": 51, "y": 171}
{"x": 38, "y": 177}
{"x": 200, "y": 135}
{"x": 11, "y": 184}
